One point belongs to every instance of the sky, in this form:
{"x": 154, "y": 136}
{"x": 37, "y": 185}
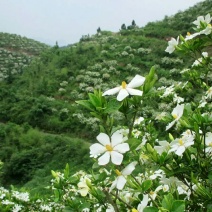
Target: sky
{"x": 65, "y": 21}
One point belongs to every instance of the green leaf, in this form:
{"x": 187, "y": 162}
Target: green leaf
{"x": 66, "y": 171}
{"x": 167, "y": 202}
{"x": 112, "y": 106}
{"x": 86, "y": 104}
{"x": 133, "y": 143}
{"x": 95, "y": 100}
{"x": 150, "y": 209}
{"x": 84, "y": 205}
{"x": 146, "y": 185}
{"x": 96, "y": 115}
{"x": 151, "y": 78}
{"x": 57, "y": 195}
{"x": 178, "y": 205}
{"x": 209, "y": 208}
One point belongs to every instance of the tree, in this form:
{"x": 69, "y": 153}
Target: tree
{"x": 98, "y": 30}
{"x": 123, "y": 27}
{"x": 133, "y": 23}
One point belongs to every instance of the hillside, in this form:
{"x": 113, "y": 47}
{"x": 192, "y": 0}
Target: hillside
{"x": 16, "y": 53}
{"x": 40, "y": 86}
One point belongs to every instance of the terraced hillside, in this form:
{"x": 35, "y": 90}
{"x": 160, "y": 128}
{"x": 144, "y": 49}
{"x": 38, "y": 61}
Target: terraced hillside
{"x": 17, "y": 52}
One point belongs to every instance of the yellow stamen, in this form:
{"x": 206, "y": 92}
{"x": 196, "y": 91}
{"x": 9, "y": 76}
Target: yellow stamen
{"x": 124, "y": 84}
{"x": 188, "y": 33}
{"x": 209, "y": 25}
{"x": 174, "y": 116}
{"x": 118, "y": 172}
{"x": 210, "y": 144}
{"x": 180, "y": 142}
{"x": 151, "y": 192}
{"x": 134, "y": 210}
{"x": 109, "y": 148}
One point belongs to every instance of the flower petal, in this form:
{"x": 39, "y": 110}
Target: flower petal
{"x": 104, "y": 159}
{"x": 122, "y": 94}
{"x": 143, "y": 203}
{"x": 121, "y": 181}
{"x": 116, "y": 158}
{"x": 180, "y": 151}
{"x": 134, "y": 92}
{"x": 136, "y": 81}
{"x": 103, "y": 139}
{"x": 112, "y": 91}
{"x": 83, "y": 191}
{"x": 129, "y": 168}
{"x": 178, "y": 111}
{"x": 113, "y": 185}
{"x": 97, "y": 149}
{"x": 117, "y": 138}
{"x": 170, "y": 125}
{"x": 122, "y": 148}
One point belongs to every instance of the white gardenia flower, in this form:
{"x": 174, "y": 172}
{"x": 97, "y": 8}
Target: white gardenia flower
{"x": 197, "y": 62}
{"x": 153, "y": 194}
{"x": 109, "y": 148}
{"x": 110, "y": 209}
{"x": 176, "y": 113}
{"x": 124, "y": 133}
{"x": 142, "y": 204}
{"x": 207, "y": 30}
{"x": 120, "y": 181}
{"x": 205, "y": 54}
{"x": 159, "y": 173}
{"x": 165, "y": 188}
{"x": 138, "y": 120}
{"x": 179, "y": 145}
{"x": 172, "y": 44}
{"x": 178, "y": 99}
{"x": 23, "y": 196}
{"x": 83, "y": 187}
{"x": 136, "y": 133}
{"x": 168, "y": 91}
{"x": 45, "y": 208}
{"x": 208, "y": 142}
{"x": 16, "y": 208}
{"x": 171, "y": 181}
{"x": 201, "y": 19}
{"x": 209, "y": 93}
{"x": 164, "y": 147}
{"x": 203, "y": 102}
{"x": 127, "y": 89}
{"x": 191, "y": 36}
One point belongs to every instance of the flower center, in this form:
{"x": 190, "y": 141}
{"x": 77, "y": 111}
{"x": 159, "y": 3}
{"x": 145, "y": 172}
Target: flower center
{"x": 124, "y": 85}
{"x": 134, "y": 210}
{"x": 109, "y": 148}
{"x": 174, "y": 116}
{"x": 210, "y": 144}
{"x": 118, "y": 172}
{"x": 151, "y": 192}
{"x": 209, "y": 25}
{"x": 180, "y": 142}
{"x": 188, "y": 33}
{"x": 165, "y": 188}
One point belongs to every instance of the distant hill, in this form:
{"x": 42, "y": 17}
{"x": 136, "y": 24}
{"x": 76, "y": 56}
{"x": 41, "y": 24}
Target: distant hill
{"x": 16, "y": 52}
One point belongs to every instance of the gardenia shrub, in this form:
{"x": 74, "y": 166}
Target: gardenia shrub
{"x": 144, "y": 163}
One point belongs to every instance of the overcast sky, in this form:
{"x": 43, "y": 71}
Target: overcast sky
{"x": 65, "y": 21}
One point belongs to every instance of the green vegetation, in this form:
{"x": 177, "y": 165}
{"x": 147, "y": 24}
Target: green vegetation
{"x": 16, "y": 53}
{"x": 43, "y": 128}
